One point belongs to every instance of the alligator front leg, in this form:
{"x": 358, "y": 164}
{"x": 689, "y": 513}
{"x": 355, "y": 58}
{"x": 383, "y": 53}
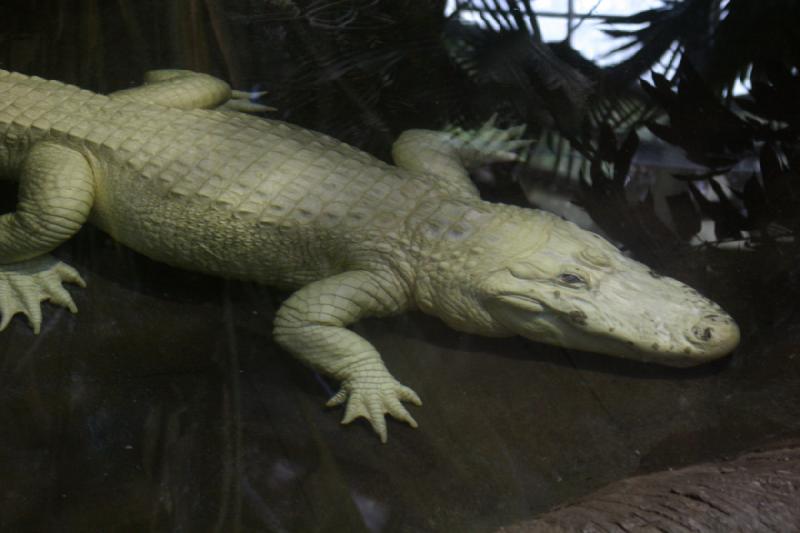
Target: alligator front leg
{"x": 450, "y": 155}
{"x": 312, "y": 324}
{"x": 55, "y": 197}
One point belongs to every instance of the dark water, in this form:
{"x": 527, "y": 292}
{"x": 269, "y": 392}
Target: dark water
{"x": 165, "y": 405}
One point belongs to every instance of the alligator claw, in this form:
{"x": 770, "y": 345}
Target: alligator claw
{"x": 242, "y": 101}
{"x": 69, "y": 274}
{"x": 488, "y": 144}
{"x": 247, "y": 95}
{"x": 25, "y": 285}
{"x": 374, "y": 399}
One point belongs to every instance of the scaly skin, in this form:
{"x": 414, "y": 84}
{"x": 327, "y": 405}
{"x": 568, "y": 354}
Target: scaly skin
{"x": 175, "y": 171}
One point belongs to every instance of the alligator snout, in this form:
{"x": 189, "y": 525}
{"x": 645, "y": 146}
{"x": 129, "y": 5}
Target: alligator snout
{"x": 714, "y": 335}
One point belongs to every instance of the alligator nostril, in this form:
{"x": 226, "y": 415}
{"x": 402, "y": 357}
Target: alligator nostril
{"x": 704, "y": 334}
{"x": 714, "y": 335}
{"x": 703, "y": 331}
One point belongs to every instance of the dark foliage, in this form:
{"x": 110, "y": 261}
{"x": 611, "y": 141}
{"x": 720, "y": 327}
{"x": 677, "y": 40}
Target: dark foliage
{"x": 362, "y": 69}
{"x": 675, "y": 26}
{"x": 603, "y": 194}
{"x": 718, "y": 135}
{"x": 713, "y": 45}
{"x": 540, "y": 87}
{"x": 708, "y": 131}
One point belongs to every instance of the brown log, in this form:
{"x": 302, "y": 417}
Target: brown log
{"x": 755, "y": 492}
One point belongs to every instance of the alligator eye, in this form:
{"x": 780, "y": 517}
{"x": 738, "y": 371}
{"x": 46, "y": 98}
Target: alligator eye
{"x": 571, "y": 279}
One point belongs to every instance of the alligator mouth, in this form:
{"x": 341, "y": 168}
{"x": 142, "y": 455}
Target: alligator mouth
{"x": 520, "y": 301}
{"x": 712, "y": 336}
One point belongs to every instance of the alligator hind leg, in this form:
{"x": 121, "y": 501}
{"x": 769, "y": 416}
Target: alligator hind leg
{"x": 185, "y": 89}
{"x": 450, "y": 155}
{"x": 55, "y": 197}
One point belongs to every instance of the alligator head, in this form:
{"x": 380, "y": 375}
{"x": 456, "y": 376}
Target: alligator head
{"x": 530, "y": 273}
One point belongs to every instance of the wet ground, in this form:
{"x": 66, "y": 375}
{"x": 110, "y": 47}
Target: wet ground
{"x": 164, "y": 405}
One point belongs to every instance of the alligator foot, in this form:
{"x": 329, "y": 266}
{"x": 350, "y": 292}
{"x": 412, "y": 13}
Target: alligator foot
{"x": 25, "y": 285}
{"x": 488, "y": 144}
{"x": 372, "y": 397}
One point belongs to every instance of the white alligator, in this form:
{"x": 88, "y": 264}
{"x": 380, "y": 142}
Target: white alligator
{"x": 163, "y": 170}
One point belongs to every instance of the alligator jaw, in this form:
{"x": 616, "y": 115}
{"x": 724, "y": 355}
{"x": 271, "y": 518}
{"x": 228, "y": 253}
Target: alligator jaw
{"x": 712, "y": 337}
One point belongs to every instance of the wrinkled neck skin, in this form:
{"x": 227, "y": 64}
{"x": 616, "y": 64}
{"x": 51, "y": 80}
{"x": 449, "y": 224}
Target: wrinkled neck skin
{"x": 499, "y": 270}
{"x": 454, "y": 246}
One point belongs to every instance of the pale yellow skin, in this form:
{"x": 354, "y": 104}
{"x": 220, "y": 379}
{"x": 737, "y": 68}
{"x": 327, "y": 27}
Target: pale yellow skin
{"x": 176, "y": 171}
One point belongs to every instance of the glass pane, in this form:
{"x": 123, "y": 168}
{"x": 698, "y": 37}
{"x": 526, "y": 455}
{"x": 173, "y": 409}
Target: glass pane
{"x": 167, "y": 404}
